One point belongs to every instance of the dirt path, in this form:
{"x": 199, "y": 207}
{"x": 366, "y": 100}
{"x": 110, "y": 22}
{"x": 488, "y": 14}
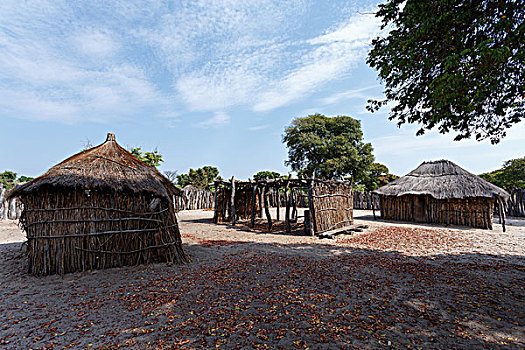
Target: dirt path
{"x": 394, "y": 285}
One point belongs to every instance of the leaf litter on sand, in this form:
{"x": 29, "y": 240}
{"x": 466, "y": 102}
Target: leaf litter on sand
{"x": 392, "y": 286}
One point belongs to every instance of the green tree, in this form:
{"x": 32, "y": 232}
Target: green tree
{"x": 456, "y": 65}
{"x": 152, "y": 158}
{"x": 24, "y": 178}
{"x": 201, "y": 178}
{"x": 8, "y": 179}
{"x": 330, "y": 148}
{"x": 510, "y": 176}
{"x": 8, "y": 175}
{"x": 266, "y": 174}
{"x": 376, "y": 175}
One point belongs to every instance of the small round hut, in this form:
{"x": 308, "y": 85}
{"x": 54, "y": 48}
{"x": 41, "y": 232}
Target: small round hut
{"x": 98, "y": 209}
{"x": 441, "y": 192}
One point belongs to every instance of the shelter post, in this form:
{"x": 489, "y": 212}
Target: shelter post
{"x": 254, "y": 198}
{"x": 278, "y": 203}
{"x": 232, "y": 205}
{"x": 287, "y": 202}
{"x": 266, "y": 209}
{"x": 311, "y": 207}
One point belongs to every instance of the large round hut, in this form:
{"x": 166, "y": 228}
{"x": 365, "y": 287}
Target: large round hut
{"x": 100, "y": 208}
{"x": 441, "y": 192}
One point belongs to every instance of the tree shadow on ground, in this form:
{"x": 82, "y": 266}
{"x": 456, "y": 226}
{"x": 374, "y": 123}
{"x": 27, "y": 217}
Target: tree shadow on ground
{"x": 280, "y": 296}
{"x": 261, "y": 226}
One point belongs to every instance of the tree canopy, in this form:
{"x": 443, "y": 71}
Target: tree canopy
{"x": 266, "y": 174}
{"x": 375, "y": 176}
{"x": 8, "y": 179}
{"x": 456, "y": 65}
{"x": 510, "y": 176}
{"x": 201, "y": 178}
{"x": 329, "y": 147}
{"x": 152, "y": 158}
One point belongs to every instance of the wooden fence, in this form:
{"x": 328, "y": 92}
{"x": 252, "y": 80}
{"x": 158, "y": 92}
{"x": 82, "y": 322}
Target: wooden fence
{"x": 274, "y": 196}
{"x": 194, "y": 198}
{"x": 366, "y": 200}
{"x": 9, "y": 209}
{"x": 515, "y": 206}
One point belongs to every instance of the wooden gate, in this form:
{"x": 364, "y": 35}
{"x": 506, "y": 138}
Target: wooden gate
{"x": 332, "y": 205}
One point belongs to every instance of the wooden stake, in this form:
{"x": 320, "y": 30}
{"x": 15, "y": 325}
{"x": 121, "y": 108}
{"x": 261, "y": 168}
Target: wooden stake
{"x": 502, "y": 210}
{"x": 293, "y": 199}
{"x": 373, "y": 206}
{"x": 287, "y": 212}
{"x": 232, "y": 205}
{"x": 215, "y": 212}
{"x": 278, "y": 204}
{"x": 311, "y": 207}
{"x": 261, "y": 208}
{"x": 254, "y": 199}
{"x": 266, "y": 209}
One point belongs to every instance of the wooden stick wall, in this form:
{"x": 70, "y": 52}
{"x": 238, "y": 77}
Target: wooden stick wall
{"x": 329, "y": 203}
{"x": 473, "y": 212}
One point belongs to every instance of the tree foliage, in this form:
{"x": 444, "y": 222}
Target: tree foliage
{"x": 510, "y": 176}
{"x": 8, "y": 179}
{"x": 266, "y": 174}
{"x": 456, "y": 65}
{"x": 330, "y": 148}
{"x": 151, "y": 158}
{"x": 201, "y": 178}
{"x": 377, "y": 175}
{"x": 8, "y": 175}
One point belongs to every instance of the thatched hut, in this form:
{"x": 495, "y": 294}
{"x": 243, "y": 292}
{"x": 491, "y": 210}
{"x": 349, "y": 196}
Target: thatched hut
{"x": 441, "y": 192}
{"x": 100, "y": 208}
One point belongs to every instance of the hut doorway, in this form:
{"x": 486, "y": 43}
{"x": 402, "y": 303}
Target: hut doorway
{"x": 420, "y": 209}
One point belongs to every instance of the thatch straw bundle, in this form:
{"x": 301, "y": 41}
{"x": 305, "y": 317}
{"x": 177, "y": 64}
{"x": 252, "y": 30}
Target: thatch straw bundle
{"x": 441, "y": 192}
{"x": 100, "y": 208}
{"x": 442, "y": 179}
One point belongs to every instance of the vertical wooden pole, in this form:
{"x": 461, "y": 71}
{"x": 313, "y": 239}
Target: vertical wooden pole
{"x": 293, "y": 194}
{"x": 3, "y": 203}
{"x": 499, "y": 210}
{"x": 311, "y": 207}
{"x": 254, "y": 199}
{"x": 373, "y": 206}
{"x": 278, "y": 203}
{"x": 287, "y": 202}
{"x": 232, "y": 205}
{"x": 502, "y": 210}
{"x": 266, "y": 209}
{"x": 215, "y": 213}
{"x": 261, "y": 207}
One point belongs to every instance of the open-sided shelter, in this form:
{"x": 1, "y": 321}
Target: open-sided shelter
{"x": 100, "y": 208}
{"x": 330, "y": 203}
{"x": 441, "y": 192}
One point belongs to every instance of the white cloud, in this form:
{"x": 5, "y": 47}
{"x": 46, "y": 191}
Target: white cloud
{"x": 333, "y": 55}
{"x": 405, "y": 151}
{"x": 58, "y": 73}
{"x": 219, "y": 119}
{"x": 95, "y": 43}
{"x": 347, "y": 95}
{"x": 118, "y": 59}
{"x": 257, "y": 127}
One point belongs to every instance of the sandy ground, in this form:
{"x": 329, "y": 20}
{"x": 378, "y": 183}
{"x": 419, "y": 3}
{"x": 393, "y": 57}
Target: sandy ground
{"x": 395, "y": 285}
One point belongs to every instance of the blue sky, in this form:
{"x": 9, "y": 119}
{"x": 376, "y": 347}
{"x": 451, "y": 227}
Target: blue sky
{"x": 206, "y": 82}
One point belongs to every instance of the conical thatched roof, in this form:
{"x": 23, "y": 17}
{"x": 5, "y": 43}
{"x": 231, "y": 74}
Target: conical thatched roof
{"x": 442, "y": 179}
{"x": 107, "y": 167}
